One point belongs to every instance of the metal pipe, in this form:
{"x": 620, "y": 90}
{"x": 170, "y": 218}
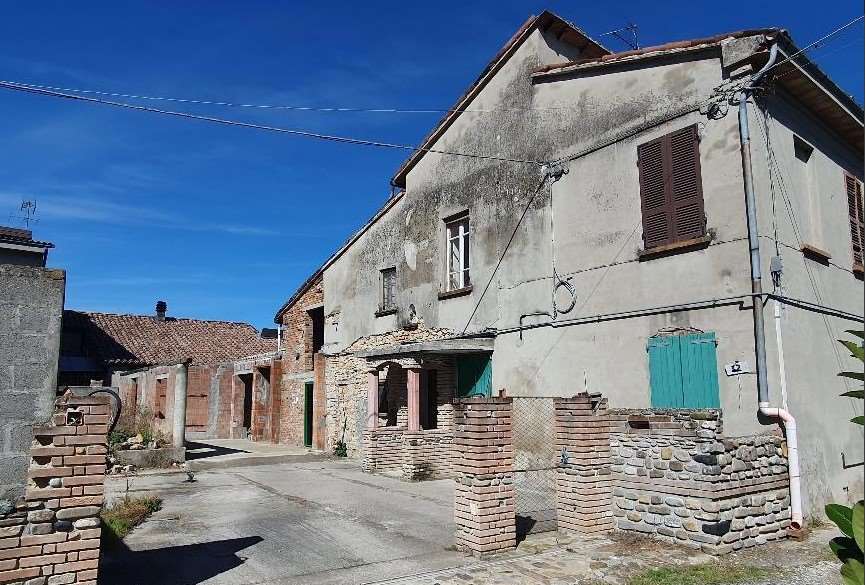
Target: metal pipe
{"x": 779, "y": 342}
{"x": 763, "y": 407}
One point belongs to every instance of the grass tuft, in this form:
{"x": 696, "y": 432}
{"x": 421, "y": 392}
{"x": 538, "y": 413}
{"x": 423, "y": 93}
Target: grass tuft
{"x": 706, "y": 574}
{"x": 123, "y": 515}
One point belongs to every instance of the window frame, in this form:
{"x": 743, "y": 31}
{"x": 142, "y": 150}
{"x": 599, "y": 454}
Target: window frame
{"x": 457, "y": 234}
{"x": 386, "y": 305}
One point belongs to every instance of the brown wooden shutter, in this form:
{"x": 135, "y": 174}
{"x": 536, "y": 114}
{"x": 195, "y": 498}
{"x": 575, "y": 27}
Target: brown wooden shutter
{"x": 686, "y": 184}
{"x": 657, "y": 230}
{"x": 671, "y": 189}
{"x": 857, "y": 218}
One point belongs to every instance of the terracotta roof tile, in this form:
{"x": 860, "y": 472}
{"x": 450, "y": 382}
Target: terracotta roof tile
{"x": 142, "y": 340}
{"x": 650, "y": 51}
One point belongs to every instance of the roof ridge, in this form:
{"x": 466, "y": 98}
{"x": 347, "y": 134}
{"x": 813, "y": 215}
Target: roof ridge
{"x": 168, "y": 319}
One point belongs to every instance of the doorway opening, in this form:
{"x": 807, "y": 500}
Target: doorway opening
{"x": 307, "y": 414}
{"x": 246, "y": 380}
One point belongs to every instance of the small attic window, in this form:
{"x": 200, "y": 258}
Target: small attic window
{"x": 802, "y": 149}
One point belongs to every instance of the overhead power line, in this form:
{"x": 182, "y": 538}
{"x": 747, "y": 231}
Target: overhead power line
{"x": 817, "y": 42}
{"x": 73, "y": 94}
{"x": 290, "y": 108}
{"x": 291, "y": 131}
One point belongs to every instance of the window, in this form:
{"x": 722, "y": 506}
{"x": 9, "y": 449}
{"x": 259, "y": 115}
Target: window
{"x": 683, "y": 371}
{"x": 457, "y": 234}
{"x": 857, "y": 217}
{"x": 802, "y": 149}
{"x": 671, "y": 190}
{"x": 388, "y": 289}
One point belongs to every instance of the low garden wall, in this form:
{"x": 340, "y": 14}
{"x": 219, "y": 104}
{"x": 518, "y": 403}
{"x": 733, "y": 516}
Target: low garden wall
{"x": 53, "y": 533}
{"x": 671, "y": 474}
{"x": 415, "y": 455}
{"x": 677, "y": 477}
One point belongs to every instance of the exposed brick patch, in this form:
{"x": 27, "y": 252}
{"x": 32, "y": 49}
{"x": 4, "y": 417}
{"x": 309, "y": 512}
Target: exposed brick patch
{"x": 55, "y": 529}
{"x": 484, "y": 502}
{"x": 583, "y": 479}
{"x": 297, "y": 368}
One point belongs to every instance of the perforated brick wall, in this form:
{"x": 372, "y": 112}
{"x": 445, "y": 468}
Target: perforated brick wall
{"x": 52, "y": 535}
{"x": 484, "y": 503}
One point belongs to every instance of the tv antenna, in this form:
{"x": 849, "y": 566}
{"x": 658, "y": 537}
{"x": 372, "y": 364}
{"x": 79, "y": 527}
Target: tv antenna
{"x": 627, "y": 34}
{"x": 27, "y": 213}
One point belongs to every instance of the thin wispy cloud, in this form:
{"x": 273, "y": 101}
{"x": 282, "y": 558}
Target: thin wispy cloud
{"x": 68, "y": 208}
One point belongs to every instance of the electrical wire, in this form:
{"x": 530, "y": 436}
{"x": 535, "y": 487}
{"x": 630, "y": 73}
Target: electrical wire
{"x": 537, "y": 190}
{"x": 237, "y": 123}
{"x": 291, "y": 108}
{"x": 817, "y": 42}
{"x": 797, "y": 232}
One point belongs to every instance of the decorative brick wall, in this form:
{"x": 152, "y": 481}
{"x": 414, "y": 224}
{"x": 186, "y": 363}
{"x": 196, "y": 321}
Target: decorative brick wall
{"x": 676, "y": 477}
{"x": 583, "y": 477}
{"x": 484, "y": 502}
{"x": 52, "y": 535}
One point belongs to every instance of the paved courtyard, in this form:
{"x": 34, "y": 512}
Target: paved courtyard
{"x": 309, "y": 519}
{"x": 304, "y": 522}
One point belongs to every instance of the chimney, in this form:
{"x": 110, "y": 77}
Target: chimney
{"x": 161, "y": 307}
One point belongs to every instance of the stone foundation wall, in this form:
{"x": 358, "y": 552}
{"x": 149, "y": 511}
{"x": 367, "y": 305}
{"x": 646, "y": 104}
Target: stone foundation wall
{"x": 52, "y": 536}
{"x": 675, "y": 476}
{"x": 484, "y": 499}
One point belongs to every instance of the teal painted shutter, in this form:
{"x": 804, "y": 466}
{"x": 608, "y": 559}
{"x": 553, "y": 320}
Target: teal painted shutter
{"x": 700, "y": 371}
{"x": 683, "y": 371}
{"x": 474, "y": 376}
{"x": 665, "y": 372}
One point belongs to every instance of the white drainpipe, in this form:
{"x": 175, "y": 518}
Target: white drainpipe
{"x": 764, "y": 409}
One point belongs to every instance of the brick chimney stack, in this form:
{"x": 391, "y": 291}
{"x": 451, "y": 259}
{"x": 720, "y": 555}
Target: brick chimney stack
{"x": 161, "y": 308}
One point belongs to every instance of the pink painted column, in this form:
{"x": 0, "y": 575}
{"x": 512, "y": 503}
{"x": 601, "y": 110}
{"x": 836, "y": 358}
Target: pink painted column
{"x": 372, "y": 400}
{"x": 414, "y": 399}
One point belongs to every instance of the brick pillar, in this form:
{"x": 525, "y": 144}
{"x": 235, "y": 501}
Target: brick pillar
{"x": 484, "y": 502}
{"x": 414, "y": 399}
{"x": 372, "y": 400}
{"x": 54, "y": 532}
{"x": 583, "y": 482}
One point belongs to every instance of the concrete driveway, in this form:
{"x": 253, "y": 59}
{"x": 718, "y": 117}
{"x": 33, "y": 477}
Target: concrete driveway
{"x": 299, "y": 522}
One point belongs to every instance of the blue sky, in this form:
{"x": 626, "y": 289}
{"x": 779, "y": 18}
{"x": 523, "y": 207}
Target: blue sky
{"x": 225, "y": 223}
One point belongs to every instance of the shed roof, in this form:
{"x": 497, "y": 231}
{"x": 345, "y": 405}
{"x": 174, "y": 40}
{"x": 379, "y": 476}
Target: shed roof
{"x": 142, "y": 340}
{"x": 21, "y": 237}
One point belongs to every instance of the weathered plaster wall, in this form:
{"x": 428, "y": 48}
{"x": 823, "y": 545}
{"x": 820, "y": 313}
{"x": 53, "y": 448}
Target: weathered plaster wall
{"x": 31, "y": 308}
{"x": 816, "y": 195}
{"x": 597, "y": 230}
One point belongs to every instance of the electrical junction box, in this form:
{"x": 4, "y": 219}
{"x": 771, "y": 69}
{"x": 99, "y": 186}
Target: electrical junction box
{"x": 737, "y": 368}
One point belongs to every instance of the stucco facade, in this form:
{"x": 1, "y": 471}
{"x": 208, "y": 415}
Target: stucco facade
{"x": 530, "y": 232}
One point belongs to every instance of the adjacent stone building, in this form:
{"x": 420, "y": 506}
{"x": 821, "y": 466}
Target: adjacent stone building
{"x": 577, "y": 222}
{"x": 31, "y": 306}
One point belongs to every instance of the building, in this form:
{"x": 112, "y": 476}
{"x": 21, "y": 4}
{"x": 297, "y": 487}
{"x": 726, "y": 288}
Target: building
{"x": 141, "y": 355}
{"x": 597, "y": 240}
{"x": 31, "y": 306}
